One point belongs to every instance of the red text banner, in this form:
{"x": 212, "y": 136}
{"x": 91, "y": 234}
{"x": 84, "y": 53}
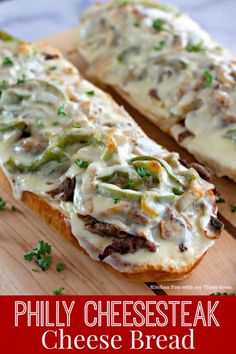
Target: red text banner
{"x": 112, "y": 324}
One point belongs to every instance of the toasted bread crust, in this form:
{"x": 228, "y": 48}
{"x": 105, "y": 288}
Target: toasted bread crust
{"x": 60, "y": 222}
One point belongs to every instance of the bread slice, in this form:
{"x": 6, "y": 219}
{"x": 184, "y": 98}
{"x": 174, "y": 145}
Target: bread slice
{"x": 165, "y": 66}
{"x": 80, "y": 161}
{"x": 60, "y": 222}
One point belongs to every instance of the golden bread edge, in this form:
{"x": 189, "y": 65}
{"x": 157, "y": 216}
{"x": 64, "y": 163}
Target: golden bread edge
{"x": 61, "y": 223}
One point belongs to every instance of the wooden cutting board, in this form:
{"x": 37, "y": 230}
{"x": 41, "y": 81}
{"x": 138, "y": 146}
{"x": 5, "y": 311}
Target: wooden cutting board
{"x": 21, "y": 230}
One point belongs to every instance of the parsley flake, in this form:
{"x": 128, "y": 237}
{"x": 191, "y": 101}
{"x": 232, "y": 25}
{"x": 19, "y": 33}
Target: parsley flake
{"x": 117, "y": 200}
{"x": 2, "y": 204}
{"x": 55, "y": 124}
{"x": 158, "y": 24}
{"x": 233, "y": 208}
{"x": 197, "y": 47}
{"x": 220, "y": 200}
{"x": 41, "y": 254}
{"x": 7, "y": 62}
{"x": 40, "y": 122}
{"x": 161, "y": 45}
{"x": 143, "y": 172}
{"x": 13, "y": 208}
{"x": 130, "y": 185}
{"x": 21, "y": 80}
{"x": 136, "y": 24}
{"x": 60, "y": 267}
{"x": 208, "y": 78}
{"x": 52, "y": 68}
{"x": 58, "y": 291}
{"x": 81, "y": 163}
{"x": 61, "y": 111}
{"x": 90, "y": 93}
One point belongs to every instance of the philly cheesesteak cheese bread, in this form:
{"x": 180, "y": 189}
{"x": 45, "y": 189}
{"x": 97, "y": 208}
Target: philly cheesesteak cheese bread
{"x": 78, "y": 159}
{"x": 169, "y": 69}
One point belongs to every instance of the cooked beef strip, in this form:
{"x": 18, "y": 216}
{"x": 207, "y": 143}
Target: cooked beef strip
{"x": 65, "y": 189}
{"x": 124, "y": 243}
{"x": 49, "y": 56}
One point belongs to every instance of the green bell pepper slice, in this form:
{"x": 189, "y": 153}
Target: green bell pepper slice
{"x": 49, "y": 155}
{"x": 112, "y": 191}
{"x": 162, "y": 163}
{"x": 71, "y": 139}
{"x": 20, "y": 125}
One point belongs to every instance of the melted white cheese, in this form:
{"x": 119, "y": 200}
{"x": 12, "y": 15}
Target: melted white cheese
{"x": 54, "y": 103}
{"x": 168, "y": 54}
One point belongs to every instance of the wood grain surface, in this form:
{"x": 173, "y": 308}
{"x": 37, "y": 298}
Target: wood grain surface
{"x": 21, "y": 230}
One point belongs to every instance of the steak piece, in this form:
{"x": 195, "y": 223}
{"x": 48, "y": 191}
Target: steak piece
{"x": 124, "y": 242}
{"x": 65, "y": 189}
{"x": 214, "y": 227}
{"x": 50, "y": 56}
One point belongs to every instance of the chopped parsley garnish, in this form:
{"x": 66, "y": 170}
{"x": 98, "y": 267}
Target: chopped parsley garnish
{"x": 90, "y": 93}
{"x": 60, "y": 267}
{"x": 58, "y": 291}
{"x": 13, "y": 208}
{"x": 7, "y": 62}
{"x": 41, "y": 255}
{"x": 220, "y": 200}
{"x": 197, "y": 47}
{"x": 143, "y": 172}
{"x": 40, "y": 122}
{"x": 208, "y": 77}
{"x": 21, "y": 80}
{"x": 2, "y": 204}
{"x": 51, "y": 68}
{"x": 77, "y": 126}
{"x": 61, "y": 111}
{"x": 158, "y": 24}
{"x": 161, "y": 45}
{"x": 117, "y": 200}
{"x": 136, "y": 24}
{"x": 82, "y": 163}
{"x": 56, "y": 123}
{"x": 130, "y": 185}
{"x": 233, "y": 208}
